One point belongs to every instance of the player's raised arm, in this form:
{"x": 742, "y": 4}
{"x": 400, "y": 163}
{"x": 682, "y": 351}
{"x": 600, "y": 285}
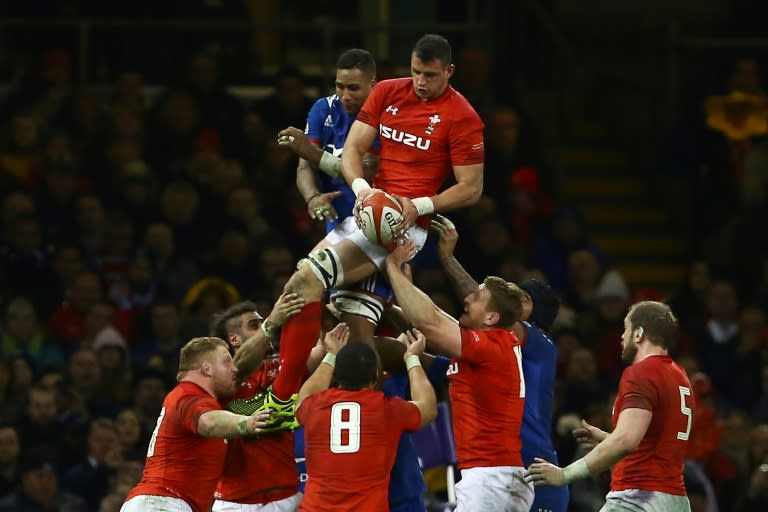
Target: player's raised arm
{"x": 359, "y": 141}
{"x": 422, "y": 392}
{"x": 321, "y": 377}
{"x": 441, "y": 330}
{"x": 463, "y": 283}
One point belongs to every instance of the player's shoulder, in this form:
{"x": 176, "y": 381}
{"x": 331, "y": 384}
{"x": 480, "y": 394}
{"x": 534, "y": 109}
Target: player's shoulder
{"x": 460, "y": 106}
{"x": 534, "y": 332}
{"x": 326, "y": 103}
{"x": 394, "y": 85}
{"x": 495, "y": 335}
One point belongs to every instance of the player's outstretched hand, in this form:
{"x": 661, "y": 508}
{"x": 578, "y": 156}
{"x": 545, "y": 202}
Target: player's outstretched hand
{"x": 320, "y": 206}
{"x": 588, "y": 434}
{"x": 410, "y": 214}
{"x": 255, "y": 423}
{"x": 297, "y": 141}
{"x": 415, "y": 342}
{"x": 287, "y": 305}
{"x": 336, "y": 338}
{"x": 446, "y": 230}
{"x": 404, "y": 250}
{"x": 542, "y": 472}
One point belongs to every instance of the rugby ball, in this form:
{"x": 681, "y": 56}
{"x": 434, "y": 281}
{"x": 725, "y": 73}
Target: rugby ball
{"x": 379, "y": 214}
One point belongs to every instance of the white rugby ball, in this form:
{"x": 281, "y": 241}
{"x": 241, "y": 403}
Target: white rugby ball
{"x": 380, "y": 213}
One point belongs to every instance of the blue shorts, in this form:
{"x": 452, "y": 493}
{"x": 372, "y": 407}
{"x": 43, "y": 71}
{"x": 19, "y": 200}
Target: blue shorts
{"x": 412, "y": 505}
{"x": 550, "y": 499}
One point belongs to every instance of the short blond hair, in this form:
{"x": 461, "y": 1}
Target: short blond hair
{"x": 506, "y": 300}
{"x": 194, "y": 352}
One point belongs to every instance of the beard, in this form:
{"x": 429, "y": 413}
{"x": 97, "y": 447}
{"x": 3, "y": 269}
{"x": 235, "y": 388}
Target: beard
{"x": 225, "y": 390}
{"x": 628, "y": 352}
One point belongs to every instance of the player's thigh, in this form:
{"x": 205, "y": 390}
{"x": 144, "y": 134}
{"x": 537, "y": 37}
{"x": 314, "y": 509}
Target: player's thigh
{"x": 639, "y": 500}
{"x": 347, "y": 231}
{"x": 500, "y": 489}
{"x": 155, "y": 504}
{"x": 550, "y": 499}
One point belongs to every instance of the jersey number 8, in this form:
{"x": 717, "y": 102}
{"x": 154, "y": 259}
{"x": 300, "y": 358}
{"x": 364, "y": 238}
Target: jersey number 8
{"x": 345, "y": 427}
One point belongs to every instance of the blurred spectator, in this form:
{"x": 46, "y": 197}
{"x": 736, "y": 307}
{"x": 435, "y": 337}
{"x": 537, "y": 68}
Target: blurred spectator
{"x": 150, "y": 387}
{"x": 112, "y": 351}
{"x": 551, "y": 250}
{"x": 174, "y": 124}
{"x": 689, "y": 302}
{"x": 513, "y": 145}
{"x": 128, "y": 91}
{"x": 586, "y": 276}
{"x": 133, "y": 439}
{"x": 11, "y": 400}
{"x": 180, "y": 209}
{"x": 39, "y": 490}
{"x": 287, "y": 105}
{"x": 90, "y": 478}
{"x": 21, "y": 154}
{"x": 22, "y": 335}
{"x": 10, "y": 447}
{"x": 85, "y": 379}
{"x": 91, "y": 225}
{"x": 24, "y": 259}
{"x": 716, "y": 340}
{"x": 67, "y": 324}
{"x": 602, "y": 324}
{"x": 580, "y": 387}
{"x": 755, "y": 493}
{"x": 205, "y": 298}
{"x": 473, "y": 78}
{"x": 219, "y": 110}
{"x": 136, "y": 289}
{"x": 39, "y": 424}
{"x": 163, "y": 339}
{"x": 175, "y": 271}
{"x": 729, "y": 467}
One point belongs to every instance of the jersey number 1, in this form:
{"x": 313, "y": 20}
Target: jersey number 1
{"x": 349, "y": 443}
{"x": 684, "y": 391}
{"x": 153, "y": 439}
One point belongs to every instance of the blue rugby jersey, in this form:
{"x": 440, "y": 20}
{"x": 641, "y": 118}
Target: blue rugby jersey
{"x": 540, "y": 370}
{"x": 328, "y": 125}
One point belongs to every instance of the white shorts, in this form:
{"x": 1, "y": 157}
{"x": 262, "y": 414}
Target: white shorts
{"x": 498, "y": 488}
{"x": 289, "y": 504}
{"x": 144, "y": 503}
{"x": 639, "y": 500}
{"x": 348, "y": 230}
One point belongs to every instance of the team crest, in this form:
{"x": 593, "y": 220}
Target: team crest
{"x": 433, "y": 121}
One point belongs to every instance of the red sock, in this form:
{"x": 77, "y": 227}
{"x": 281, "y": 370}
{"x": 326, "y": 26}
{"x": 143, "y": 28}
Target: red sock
{"x": 297, "y": 338}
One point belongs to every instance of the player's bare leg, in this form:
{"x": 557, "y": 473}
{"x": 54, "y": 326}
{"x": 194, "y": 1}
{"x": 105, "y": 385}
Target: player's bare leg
{"x": 328, "y": 268}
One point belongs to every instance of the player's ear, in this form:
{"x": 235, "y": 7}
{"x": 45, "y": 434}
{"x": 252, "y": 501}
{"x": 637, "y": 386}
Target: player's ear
{"x": 206, "y": 369}
{"x": 450, "y": 69}
{"x": 492, "y": 318}
{"x": 639, "y": 334}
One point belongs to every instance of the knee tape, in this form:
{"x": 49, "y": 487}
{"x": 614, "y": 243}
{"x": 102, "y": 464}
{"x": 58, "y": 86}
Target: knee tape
{"x": 359, "y": 304}
{"x": 326, "y": 265}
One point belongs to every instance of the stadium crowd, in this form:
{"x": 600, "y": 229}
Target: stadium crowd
{"x": 127, "y": 224}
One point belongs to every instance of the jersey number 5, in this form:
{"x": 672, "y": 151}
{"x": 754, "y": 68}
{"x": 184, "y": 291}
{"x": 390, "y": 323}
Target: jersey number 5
{"x": 345, "y": 427}
{"x": 684, "y": 391}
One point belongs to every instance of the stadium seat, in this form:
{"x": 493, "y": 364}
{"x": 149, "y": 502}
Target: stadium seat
{"x": 435, "y": 447}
